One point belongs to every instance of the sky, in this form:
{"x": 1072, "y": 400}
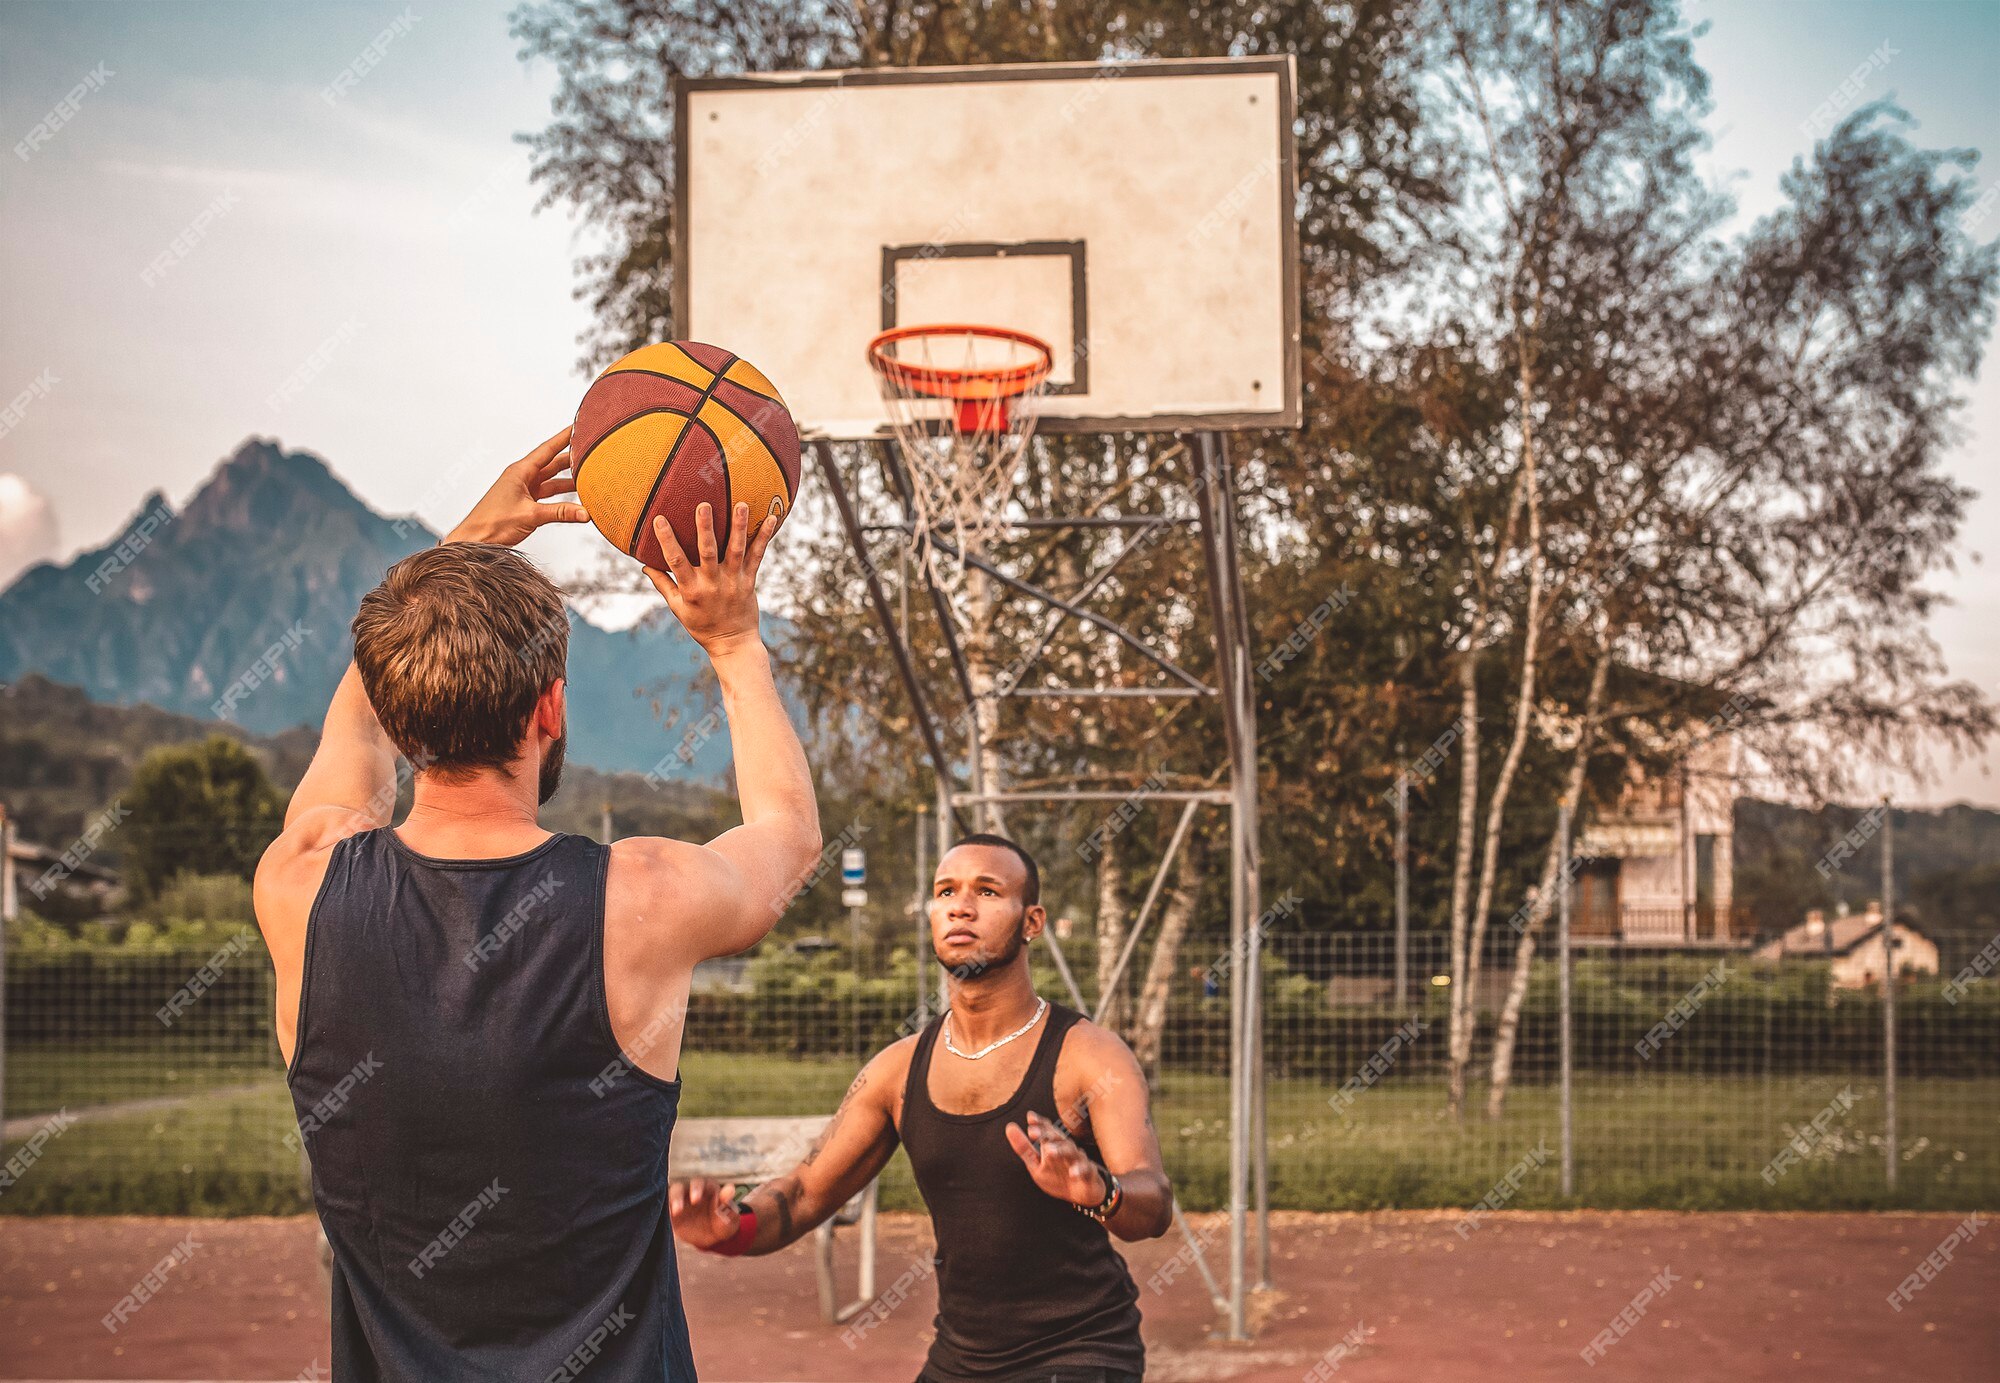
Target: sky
{"x": 313, "y": 223}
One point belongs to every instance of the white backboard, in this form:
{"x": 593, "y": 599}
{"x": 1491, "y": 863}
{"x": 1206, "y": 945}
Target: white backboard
{"x": 1136, "y": 216}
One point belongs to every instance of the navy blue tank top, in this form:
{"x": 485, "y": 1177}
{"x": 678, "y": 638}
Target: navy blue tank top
{"x": 490, "y": 1171}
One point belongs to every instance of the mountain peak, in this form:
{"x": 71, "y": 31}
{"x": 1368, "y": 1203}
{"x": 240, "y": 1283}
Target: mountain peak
{"x": 261, "y": 487}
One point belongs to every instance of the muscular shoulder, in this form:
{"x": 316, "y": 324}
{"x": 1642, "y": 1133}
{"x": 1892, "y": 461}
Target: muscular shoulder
{"x": 293, "y": 866}
{"x": 885, "y": 1077}
{"x": 890, "y": 1067}
{"x": 642, "y": 860}
{"x": 651, "y": 877}
{"x": 1093, "y": 1063}
{"x": 1088, "y": 1047}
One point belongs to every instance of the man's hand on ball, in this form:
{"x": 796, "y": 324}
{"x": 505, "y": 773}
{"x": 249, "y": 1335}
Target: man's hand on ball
{"x": 717, "y": 601}
{"x": 704, "y": 1214}
{"x": 1056, "y": 1163}
{"x": 515, "y": 506}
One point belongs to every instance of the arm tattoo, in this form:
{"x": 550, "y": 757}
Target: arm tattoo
{"x": 826, "y": 1134}
{"x": 783, "y": 1196}
{"x": 782, "y": 1192}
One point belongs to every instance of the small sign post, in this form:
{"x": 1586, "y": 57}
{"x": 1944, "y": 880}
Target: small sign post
{"x": 853, "y": 896}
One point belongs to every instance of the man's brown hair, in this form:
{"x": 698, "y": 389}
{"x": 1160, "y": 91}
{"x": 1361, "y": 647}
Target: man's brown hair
{"x": 455, "y": 647}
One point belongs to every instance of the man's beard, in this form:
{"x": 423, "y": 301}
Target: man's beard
{"x": 552, "y": 766}
{"x": 980, "y": 964}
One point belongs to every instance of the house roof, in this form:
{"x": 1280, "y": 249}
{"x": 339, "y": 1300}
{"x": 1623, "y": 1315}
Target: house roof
{"x": 27, "y": 857}
{"x": 1842, "y": 935}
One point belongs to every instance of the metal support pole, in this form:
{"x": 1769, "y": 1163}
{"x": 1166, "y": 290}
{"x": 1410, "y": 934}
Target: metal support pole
{"x": 1195, "y": 1246}
{"x": 1888, "y": 994}
{"x": 900, "y": 482}
{"x": 1260, "y": 1143}
{"x": 1402, "y": 888}
{"x": 940, "y": 606}
{"x": 1214, "y": 494}
{"x": 1239, "y": 1085}
{"x": 1244, "y": 781}
{"x": 947, "y": 812}
{"x": 1062, "y": 968}
{"x": 922, "y": 912}
{"x": 1215, "y": 499}
{"x": 1567, "y": 1034}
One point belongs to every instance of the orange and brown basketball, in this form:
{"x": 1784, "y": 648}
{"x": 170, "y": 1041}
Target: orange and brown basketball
{"x": 672, "y": 426}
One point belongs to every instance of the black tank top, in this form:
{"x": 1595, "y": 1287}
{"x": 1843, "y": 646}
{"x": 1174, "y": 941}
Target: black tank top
{"x": 1026, "y": 1283}
{"x": 491, "y": 1173}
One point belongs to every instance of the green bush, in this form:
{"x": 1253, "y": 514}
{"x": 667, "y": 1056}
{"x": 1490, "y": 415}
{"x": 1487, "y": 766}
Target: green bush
{"x": 220, "y": 900}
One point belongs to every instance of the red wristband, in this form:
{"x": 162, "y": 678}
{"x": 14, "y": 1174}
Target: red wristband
{"x": 739, "y": 1243}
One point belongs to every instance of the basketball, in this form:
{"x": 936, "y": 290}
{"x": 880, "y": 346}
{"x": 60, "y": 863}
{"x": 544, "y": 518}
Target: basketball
{"x": 674, "y": 425}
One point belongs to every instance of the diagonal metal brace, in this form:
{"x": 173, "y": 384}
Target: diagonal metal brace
{"x": 881, "y": 603}
{"x": 1110, "y": 985}
{"x": 1109, "y": 626}
{"x": 1090, "y": 587}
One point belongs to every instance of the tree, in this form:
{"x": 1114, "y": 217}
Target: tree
{"x": 1723, "y": 461}
{"x": 206, "y": 808}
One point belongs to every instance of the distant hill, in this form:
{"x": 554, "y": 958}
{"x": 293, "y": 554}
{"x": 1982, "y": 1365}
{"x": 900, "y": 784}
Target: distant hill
{"x": 64, "y": 758}
{"x": 274, "y": 552}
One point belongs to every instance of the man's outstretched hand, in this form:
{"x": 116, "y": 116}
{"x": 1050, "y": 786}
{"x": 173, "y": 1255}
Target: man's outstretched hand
{"x": 704, "y": 1214}
{"x": 1056, "y": 1163}
{"x": 514, "y": 507}
{"x": 717, "y": 601}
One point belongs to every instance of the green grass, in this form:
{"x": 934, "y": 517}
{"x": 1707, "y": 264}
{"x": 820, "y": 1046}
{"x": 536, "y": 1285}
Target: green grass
{"x": 1669, "y": 1141}
{"x": 41, "y": 1080}
{"x": 225, "y": 1156}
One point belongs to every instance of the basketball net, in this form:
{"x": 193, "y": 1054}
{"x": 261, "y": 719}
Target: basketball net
{"x": 960, "y": 401}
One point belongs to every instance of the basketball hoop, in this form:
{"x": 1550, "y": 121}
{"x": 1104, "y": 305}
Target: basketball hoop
{"x": 955, "y": 397}
{"x": 978, "y": 368}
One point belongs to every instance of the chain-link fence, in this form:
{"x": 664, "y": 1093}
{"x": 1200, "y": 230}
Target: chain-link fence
{"x": 148, "y": 1082}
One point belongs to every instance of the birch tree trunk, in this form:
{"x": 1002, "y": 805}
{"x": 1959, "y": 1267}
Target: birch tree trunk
{"x": 1467, "y": 998}
{"x": 1461, "y": 869}
{"x": 1113, "y": 912}
{"x": 1507, "y": 1031}
{"x": 981, "y": 665}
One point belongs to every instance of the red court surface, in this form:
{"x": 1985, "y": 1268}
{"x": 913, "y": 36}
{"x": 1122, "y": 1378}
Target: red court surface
{"x": 1749, "y": 1297}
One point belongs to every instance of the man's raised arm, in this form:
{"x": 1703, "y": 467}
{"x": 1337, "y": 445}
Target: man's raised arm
{"x": 740, "y": 881}
{"x": 354, "y": 767}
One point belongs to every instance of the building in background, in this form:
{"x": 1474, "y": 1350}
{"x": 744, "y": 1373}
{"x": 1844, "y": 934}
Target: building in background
{"x": 1853, "y": 945}
{"x": 37, "y": 879}
{"x": 1658, "y": 869}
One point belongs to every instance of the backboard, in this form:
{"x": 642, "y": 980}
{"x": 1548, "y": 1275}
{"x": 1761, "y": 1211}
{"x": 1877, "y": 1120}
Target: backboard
{"x": 1137, "y": 216}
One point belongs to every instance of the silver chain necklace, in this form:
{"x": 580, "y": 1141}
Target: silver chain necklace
{"x": 1040, "y": 1008}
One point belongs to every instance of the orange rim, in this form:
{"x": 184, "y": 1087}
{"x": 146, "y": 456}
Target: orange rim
{"x": 962, "y": 382}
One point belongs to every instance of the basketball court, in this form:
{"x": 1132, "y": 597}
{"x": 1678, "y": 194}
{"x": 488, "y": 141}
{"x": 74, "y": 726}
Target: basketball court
{"x": 1752, "y": 1297}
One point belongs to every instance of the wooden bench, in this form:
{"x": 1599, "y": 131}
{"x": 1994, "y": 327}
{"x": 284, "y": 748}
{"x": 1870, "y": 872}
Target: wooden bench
{"x": 748, "y": 1151}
